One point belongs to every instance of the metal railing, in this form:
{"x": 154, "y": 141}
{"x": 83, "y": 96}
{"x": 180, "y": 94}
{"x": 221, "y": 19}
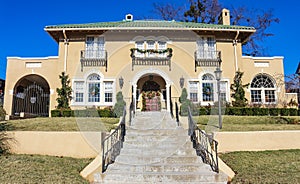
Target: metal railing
{"x": 177, "y": 113}
{"x": 112, "y": 144}
{"x": 205, "y": 145}
{"x": 131, "y": 111}
{"x": 152, "y": 57}
{"x": 93, "y": 58}
{"x": 207, "y": 59}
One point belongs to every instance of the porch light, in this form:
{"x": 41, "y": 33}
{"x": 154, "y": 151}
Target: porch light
{"x": 218, "y": 74}
{"x": 121, "y": 82}
{"x": 181, "y": 82}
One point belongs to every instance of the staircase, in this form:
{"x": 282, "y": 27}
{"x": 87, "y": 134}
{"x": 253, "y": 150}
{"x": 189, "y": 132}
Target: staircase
{"x": 157, "y": 151}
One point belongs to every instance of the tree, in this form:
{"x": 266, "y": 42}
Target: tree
{"x": 185, "y": 103}
{"x": 64, "y": 93}
{"x": 119, "y": 105}
{"x": 168, "y": 11}
{"x": 207, "y": 11}
{"x": 238, "y": 92}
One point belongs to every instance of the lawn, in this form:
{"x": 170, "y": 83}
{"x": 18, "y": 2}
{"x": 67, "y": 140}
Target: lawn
{"x": 250, "y": 123}
{"x": 64, "y": 124}
{"x": 281, "y": 166}
{"x": 41, "y": 169}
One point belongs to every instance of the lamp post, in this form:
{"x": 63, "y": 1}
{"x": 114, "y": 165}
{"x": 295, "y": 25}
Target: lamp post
{"x": 218, "y": 74}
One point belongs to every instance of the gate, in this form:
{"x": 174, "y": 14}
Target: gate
{"x": 33, "y": 101}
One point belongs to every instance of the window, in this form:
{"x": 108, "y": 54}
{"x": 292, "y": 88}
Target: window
{"x": 223, "y": 87}
{"x": 151, "y": 46}
{"x": 95, "y": 47}
{"x": 206, "y": 48}
{"x": 207, "y": 88}
{"x": 79, "y": 89}
{"x": 93, "y": 88}
{"x": 108, "y": 91}
{"x": 262, "y": 89}
{"x": 162, "y": 46}
{"x": 139, "y": 45}
{"x": 193, "y": 85}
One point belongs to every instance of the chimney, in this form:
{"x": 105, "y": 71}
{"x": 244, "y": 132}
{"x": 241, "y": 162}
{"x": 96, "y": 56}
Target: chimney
{"x": 128, "y": 17}
{"x": 224, "y": 17}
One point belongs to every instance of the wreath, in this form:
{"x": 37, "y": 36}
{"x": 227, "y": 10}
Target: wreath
{"x": 207, "y": 90}
{"x": 94, "y": 90}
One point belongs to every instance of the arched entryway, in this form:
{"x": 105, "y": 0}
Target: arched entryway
{"x": 151, "y": 93}
{"x": 31, "y": 96}
{"x": 152, "y": 83}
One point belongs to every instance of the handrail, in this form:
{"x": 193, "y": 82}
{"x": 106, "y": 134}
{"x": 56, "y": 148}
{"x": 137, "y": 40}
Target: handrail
{"x": 177, "y": 113}
{"x": 112, "y": 144}
{"x": 131, "y": 111}
{"x": 205, "y": 145}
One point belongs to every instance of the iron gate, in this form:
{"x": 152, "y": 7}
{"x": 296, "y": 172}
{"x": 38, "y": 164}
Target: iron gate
{"x": 32, "y": 101}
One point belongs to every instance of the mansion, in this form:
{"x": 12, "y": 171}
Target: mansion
{"x": 141, "y": 56}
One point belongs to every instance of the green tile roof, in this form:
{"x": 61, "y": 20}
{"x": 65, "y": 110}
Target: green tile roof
{"x": 141, "y": 24}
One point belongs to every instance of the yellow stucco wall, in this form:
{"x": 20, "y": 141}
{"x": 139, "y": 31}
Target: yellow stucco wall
{"x": 118, "y": 45}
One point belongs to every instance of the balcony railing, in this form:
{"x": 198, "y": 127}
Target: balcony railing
{"x": 151, "y": 57}
{"x": 92, "y": 58}
{"x": 207, "y": 59}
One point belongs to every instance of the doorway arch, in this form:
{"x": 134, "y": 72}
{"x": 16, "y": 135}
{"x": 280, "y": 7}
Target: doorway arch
{"x": 31, "y": 96}
{"x": 164, "y": 83}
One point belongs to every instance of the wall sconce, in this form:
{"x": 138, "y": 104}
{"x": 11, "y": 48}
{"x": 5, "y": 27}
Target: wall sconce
{"x": 121, "y": 82}
{"x": 181, "y": 82}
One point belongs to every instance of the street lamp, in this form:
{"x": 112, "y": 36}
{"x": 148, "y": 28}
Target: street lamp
{"x": 218, "y": 74}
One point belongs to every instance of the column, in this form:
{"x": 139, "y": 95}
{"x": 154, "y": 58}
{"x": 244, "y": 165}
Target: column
{"x": 168, "y": 97}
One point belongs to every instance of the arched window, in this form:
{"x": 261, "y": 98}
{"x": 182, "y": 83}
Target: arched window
{"x": 93, "y": 82}
{"x": 262, "y": 89}
{"x": 208, "y": 88}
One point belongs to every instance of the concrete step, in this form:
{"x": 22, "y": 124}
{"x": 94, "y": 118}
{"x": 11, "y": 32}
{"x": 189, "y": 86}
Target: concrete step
{"x": 178, "y": 151}
{"x": 155, "y": 132}
{"x": 167, "y": 159}
{"x": 164, "y": 177}
{"x": 159, "y": 146}
{"x": 159, "y": 167}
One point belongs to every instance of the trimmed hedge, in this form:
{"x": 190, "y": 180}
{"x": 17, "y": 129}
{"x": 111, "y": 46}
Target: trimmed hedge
{"x": 107, "y": 112}
{"x": 247, "y": 111}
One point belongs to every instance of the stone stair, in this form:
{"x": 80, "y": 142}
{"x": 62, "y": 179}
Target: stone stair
{"x": 157, "y": 151}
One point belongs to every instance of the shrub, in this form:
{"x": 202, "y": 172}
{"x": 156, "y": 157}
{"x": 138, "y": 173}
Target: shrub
{"x": 248, "y": 111}
{"x": 284, "y": 112}
{"x": 4, "y": 145}
{"x": 274, "y": 111}
{"x": 67, "y": 113}
{"x": 293, "y": 112}
{"x": 203, "y": 111}
{"x": 106, "y": 112}
{"x": 2, "y": 113}
{"x": 55, "y": 113}
{"x": 119, "y": 106}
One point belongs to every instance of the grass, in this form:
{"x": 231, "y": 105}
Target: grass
{"x": 64, "y": 124}
{"x": 41, "y": 169}
{"x": 250, "y": 123}
{"x": 281, "y": 166}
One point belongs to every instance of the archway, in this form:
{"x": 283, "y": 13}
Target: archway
{"x": 31, "y": 96}
{"x": 151, "y": 93}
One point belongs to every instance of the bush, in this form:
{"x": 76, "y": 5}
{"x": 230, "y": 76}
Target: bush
{"x": 284, "y": 112}
{"x": 4, "y": 146}
{"x": 203, "y": 111}
{"x": 293, "y": 112}
{"x": 274, "y": 111}
{"x": 2, "y": 113}
{"x": 106, "y": 112}
{"x": 67, "y": 113}
{"x": 119, "y": 106}
{"x": 248, "y": 111}
{"x": 55, "y": 113}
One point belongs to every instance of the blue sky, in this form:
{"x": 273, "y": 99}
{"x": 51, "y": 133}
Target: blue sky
{"x": 22, "y": 23}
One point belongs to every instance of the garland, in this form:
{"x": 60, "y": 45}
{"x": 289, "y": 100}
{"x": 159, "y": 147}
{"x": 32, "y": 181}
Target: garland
{"x": 143, "y": 51}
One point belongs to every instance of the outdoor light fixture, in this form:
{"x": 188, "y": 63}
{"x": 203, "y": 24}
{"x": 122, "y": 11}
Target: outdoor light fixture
{"x": 121, "y": 82}
{"x": 218, "y": 74}
{"x": 181, "y": 82}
